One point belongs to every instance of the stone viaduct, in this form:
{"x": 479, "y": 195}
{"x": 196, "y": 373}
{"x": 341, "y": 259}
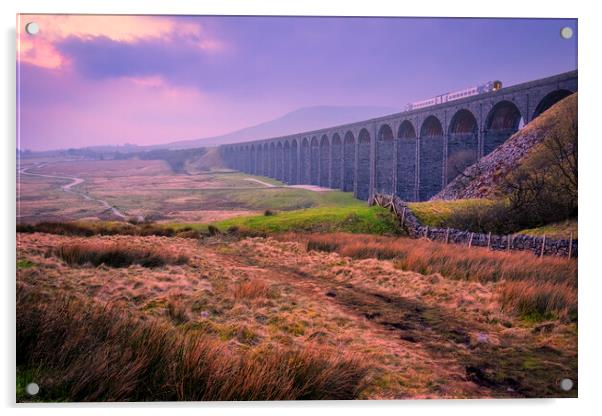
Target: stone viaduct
{"x": 412, "y": 154}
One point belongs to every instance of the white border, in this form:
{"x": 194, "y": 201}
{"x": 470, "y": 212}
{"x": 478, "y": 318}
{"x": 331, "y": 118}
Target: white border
{"x": 590, "y": 201}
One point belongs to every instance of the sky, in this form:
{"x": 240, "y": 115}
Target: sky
{"x": 88, "y": 80}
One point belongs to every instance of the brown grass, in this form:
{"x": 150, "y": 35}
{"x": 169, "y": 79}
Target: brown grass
{"x": 115, "y": 255}
{"x": 252, "y": 289}
{"x": 539, "y": 300}
{"x": 92, "y": 228}
{"x": 452, "y": 261}
{"x": 535, "y": 288}
{"x": 86, "y": 352}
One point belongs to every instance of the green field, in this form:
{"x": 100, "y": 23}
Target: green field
{"x": 354, "y": 219}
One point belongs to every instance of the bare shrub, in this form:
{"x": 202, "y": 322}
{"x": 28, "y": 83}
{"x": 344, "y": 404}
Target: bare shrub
{"x": 212, "y": 230}
{"x": 543, "y": 188}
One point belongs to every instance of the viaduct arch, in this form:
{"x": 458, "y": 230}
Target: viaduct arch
{"x": 412, "y": 153}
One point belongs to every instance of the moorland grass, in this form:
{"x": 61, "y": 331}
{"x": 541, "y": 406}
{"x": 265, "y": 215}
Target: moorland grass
{"x": 531, "y": 286}
{"x": 81, "y": 351}
{"x": 115, "y": 254}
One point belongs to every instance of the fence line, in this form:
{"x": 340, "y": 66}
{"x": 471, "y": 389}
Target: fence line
{"x": 540, "y": 246}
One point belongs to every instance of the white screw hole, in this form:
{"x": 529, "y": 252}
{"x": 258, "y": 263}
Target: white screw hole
{"x": 32, "y": 28}
{"x": 32, "y": 389}
{"x": 566, "y": 384}
{"x": 566, "y": 32}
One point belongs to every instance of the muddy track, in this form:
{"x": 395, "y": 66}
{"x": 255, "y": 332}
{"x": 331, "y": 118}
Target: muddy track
{"x": 445, "y": 335}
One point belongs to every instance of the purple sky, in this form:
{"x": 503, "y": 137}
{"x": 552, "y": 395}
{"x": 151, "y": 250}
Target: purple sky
{"x": 94, "y": 80}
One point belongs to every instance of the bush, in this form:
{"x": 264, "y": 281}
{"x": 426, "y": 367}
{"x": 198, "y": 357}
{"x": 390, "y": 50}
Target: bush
{"x": 212, "y": 230}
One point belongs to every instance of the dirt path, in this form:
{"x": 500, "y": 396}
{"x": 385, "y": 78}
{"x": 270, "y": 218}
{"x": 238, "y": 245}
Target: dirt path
{"x": 266, "y": 184}
{"x": 68, "y": 188}
{"x": 313, "y": 188}
{"x": 475, "y": 358}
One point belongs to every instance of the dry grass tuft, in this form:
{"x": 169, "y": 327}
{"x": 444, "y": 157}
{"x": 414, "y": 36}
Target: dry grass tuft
{"x": 450, "y": 260}
{"x": 177, "y": 312}
{"x": 539, "y": 300}
{"x": 253, "y": 289}
{"x": 115, "y": 255}
{"x": 85, "y": 352}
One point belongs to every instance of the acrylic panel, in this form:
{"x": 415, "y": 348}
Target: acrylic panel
{"x": 225, "y": 208}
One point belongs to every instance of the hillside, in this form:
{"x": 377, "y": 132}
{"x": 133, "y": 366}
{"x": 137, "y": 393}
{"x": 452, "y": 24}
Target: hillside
{"x": 303, "y": 119}
{"x": 210, "y": 160}
{"x": 485, "y": 178}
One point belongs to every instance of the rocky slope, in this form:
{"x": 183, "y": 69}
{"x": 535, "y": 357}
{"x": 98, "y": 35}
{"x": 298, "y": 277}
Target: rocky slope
{"x": 483, "y": 179}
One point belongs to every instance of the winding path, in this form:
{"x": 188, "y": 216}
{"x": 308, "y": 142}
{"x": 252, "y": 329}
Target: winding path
{"x": 68, "y": 188}
{"x": 314, "y": 188}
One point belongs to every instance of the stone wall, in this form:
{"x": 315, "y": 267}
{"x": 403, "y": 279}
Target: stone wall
{"x": 521, "y": 242}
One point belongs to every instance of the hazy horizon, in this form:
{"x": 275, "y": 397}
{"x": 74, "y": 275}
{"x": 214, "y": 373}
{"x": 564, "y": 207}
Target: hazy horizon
{"x": 146, "y": 80}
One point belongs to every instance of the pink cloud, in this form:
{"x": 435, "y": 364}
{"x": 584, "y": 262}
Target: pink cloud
{"x": 40, "y": 50}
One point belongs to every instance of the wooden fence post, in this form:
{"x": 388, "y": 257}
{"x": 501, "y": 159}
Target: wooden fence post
{"x": 447, "y": 235}
{"x": 543, "y": 245}
{"x": 470, "y": 241}
{"x": 509, "y": 242}
{"x": 571, "y": 245}
{"x": 403, "y": 215}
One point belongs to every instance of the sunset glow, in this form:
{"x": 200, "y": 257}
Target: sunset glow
{"x": 94, "y": 80}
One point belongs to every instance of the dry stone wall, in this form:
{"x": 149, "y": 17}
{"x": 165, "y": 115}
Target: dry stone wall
{"x": 537, "y": 245}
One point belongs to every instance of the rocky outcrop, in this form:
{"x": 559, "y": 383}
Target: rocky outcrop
{"x": 483, "y": 179}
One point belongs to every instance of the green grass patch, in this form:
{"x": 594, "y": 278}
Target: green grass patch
{"x": 24, "y": 264}
{"x": 437, "y": 213}
{"x": 356, "y": 219}
{"x": 556, "y": 231}
{"x": 288, "y": 199}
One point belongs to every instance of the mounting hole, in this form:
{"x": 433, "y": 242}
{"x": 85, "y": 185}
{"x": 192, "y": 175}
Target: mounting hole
{"x": 32, "y": 28}
{"x": 566, "y": 32}
{"x": 32, "y": 389}
{"x": 566, "y": 384}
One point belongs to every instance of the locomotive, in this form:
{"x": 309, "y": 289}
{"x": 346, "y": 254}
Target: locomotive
{"x": 451, "y": 96}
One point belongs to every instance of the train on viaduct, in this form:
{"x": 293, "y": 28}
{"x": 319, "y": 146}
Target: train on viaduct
{"x": 412, "y": 154}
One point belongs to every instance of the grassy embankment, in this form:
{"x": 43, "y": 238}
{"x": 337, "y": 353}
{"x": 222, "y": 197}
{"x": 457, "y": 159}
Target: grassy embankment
{"x": 438, "y": 213}
{"x": 454, "y": 213}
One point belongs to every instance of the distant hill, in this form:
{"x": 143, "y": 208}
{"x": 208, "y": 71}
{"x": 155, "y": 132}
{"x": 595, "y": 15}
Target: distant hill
{"x": 484, "y": 178}
{"x": 303, "y": 119}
